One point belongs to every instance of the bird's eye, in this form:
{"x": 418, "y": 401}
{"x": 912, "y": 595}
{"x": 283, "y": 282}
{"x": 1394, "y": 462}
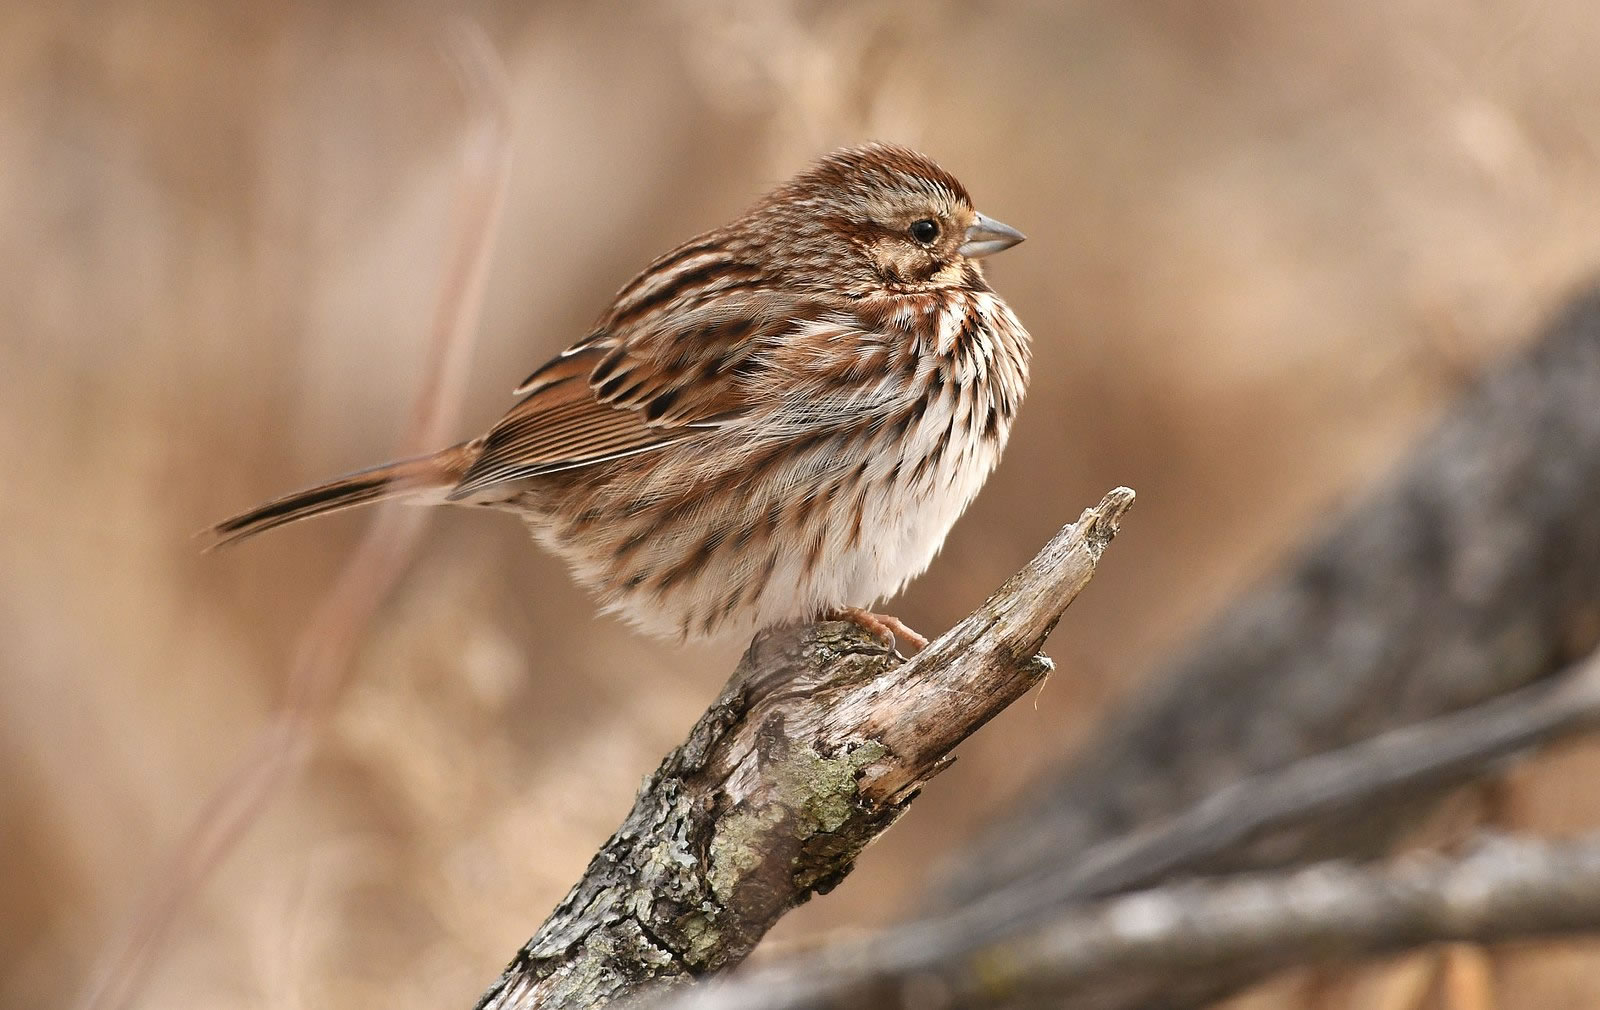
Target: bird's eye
{"x": 925, "y": 231}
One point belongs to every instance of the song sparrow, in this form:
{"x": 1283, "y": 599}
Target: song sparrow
{"x": 778, "y": 420}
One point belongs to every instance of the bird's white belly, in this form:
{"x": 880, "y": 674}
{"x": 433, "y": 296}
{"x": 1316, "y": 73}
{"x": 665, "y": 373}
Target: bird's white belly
{"x": 907, "y": 516}
{"x": 910, "y": 528}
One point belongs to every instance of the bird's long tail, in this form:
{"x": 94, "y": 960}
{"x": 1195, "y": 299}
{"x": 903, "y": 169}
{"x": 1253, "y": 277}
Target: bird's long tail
{"x": 424, "y": 480}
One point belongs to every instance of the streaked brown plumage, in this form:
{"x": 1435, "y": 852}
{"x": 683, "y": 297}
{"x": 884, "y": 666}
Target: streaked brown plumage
{"x": 779, "y": 419}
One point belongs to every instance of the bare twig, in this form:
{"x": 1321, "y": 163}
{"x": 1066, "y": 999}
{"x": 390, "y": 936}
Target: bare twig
{"x": 329, "y": 642}
{"x": 1264, "y": 810}
{"x": 816, "y": 745}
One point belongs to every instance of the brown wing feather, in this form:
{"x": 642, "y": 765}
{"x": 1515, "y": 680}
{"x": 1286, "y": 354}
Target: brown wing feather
{"x": 638, "y": 387}
{"x": 557, "y": 427}
{"x": 694, "y": 367}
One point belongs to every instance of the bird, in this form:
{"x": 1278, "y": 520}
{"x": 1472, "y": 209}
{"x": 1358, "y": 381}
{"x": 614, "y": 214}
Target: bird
{"x": 776, "y": 422}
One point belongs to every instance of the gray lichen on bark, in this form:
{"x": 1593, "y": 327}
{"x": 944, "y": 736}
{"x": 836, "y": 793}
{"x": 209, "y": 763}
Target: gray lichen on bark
{"x": 719, "y": 845}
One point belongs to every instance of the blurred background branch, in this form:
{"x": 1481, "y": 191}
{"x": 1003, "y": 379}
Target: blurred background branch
{"x": 1179, "y": 936}
{"x": 1276, "y": 810}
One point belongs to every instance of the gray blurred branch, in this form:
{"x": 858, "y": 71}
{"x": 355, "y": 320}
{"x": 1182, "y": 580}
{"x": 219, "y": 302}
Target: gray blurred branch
{"x": 1101, "y": 953}
{"x": 1274, "y": 810}
{"x": 1503, "y": 889}
{"x": 817, "y": 744}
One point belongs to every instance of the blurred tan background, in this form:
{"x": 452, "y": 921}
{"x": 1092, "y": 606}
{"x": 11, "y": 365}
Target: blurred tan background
{"x": 1268, "y": 242}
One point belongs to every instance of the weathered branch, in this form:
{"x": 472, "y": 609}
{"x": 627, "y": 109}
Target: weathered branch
{"x": 1100, "y": 954}
{"x": 816, "y": 745}
{"x": 1003, "y": 931}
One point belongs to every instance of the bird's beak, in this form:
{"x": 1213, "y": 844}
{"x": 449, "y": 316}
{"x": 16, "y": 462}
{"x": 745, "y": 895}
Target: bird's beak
{"x": 986, "y": 235}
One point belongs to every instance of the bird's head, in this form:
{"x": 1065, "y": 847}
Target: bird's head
{"x": 880, "y": 217}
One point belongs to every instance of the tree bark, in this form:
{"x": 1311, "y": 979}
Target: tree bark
{"x": 817, "y": 744}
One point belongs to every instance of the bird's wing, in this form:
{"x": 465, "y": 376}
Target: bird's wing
{"x": 633, "y": 388}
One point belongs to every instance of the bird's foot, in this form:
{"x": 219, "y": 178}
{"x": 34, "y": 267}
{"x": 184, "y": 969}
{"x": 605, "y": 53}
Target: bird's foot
{"x": 885, "y": 627}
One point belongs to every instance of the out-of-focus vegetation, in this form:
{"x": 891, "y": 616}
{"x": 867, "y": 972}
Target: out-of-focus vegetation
{"x": 1267, "y": 241}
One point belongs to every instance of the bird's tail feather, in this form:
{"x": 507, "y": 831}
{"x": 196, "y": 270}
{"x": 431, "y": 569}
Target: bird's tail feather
{"x": 423, "y": 480}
